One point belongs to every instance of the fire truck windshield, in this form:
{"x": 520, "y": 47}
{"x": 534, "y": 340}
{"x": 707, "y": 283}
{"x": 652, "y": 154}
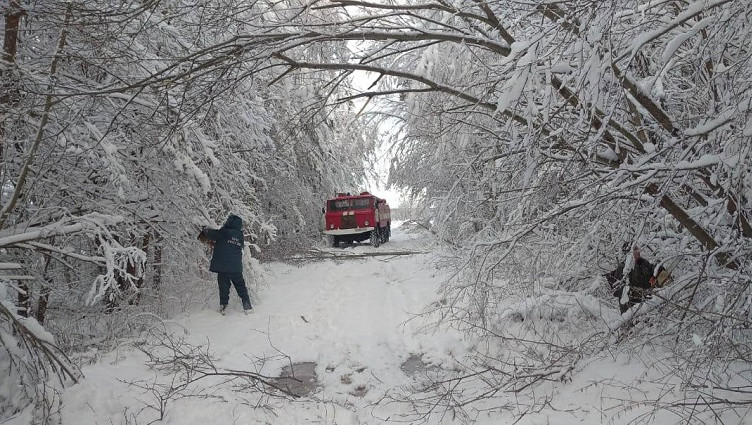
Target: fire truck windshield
{"x": 359, "y": 204}
{"x": 339, "y": 205}
{"x": 346, "y": 204}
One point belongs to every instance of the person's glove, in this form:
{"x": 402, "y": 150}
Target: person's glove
{"x": 202, "y": 237}
{"x": 652, "y": 281}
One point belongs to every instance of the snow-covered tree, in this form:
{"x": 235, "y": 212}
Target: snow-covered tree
{"x": 127, "y": 126}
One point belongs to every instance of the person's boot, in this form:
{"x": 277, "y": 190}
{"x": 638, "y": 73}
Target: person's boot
{"x": 223, "y": 310}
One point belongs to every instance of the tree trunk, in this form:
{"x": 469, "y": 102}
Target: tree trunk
{"x": 8, "y": 90}
{"x": 44, "y": 292}
{"x": 693, "y": 227}
{"x": 25, "y": 169}
{"x": 12, "y": 21}
{"x": 44, "y": 298}
{"x": 157, "y": 266}
{"x": 24, "y": 304}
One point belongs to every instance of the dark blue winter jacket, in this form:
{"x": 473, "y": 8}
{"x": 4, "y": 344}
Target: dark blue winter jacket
{"x": 228, "y": 246}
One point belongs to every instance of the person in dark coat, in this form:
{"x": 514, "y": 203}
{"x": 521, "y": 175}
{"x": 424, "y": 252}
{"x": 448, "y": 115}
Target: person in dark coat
{"x": 642, "y": 278}
{"x": 227, "y": 260}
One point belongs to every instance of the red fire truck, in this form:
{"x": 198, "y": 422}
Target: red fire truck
{"x": 355, "y": 218}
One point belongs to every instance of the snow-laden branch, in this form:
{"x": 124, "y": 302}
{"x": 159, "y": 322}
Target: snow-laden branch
{"x": 668, "y": 124}
{"x": 723, "y": 118}
{"x": 30, "y": 344}
{"x": 38, "y": 246}
{"x": 399, "y": 36}
{"x": 242, "y": 47}
{"x": 94, "y": 222}
{"x": 705, "y": 161}
{"x": 490, "y": 19}
{"x": 403, "y": 75}
{"x": 124, "y": 265}
{"x": 692, "y": 11}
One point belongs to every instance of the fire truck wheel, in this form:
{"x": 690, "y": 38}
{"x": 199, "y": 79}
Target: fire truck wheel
{"x": 335, "y": 241}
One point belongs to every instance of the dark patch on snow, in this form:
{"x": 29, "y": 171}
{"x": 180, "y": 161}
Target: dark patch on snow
{"x": 359, "y": 391}
{"x": 414, "y": 365}
{"x": 298, "y": 379}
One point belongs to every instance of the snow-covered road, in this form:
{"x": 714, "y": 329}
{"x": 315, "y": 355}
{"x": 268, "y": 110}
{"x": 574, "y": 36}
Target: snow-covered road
{"x": 354, "y": 321}
{"x": 353, "y": 333}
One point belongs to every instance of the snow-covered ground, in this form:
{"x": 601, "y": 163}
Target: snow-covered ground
{"x": 352, "y": 329}
{"x": 354, "y": 318}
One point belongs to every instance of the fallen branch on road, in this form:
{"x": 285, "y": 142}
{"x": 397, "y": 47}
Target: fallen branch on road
{"x": 322, "y": 255}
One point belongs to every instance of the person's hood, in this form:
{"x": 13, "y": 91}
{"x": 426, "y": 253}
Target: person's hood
{"x": 233, "y": 222}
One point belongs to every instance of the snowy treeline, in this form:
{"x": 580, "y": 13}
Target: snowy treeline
{"x": 124, "y": 128}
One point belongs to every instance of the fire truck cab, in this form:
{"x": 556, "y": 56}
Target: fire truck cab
{"x": 355, "y": 218}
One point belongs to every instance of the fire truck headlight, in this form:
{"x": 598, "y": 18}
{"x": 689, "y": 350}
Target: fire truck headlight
{"x": 331, "y": 226}
{"x": 366, "y": 222}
